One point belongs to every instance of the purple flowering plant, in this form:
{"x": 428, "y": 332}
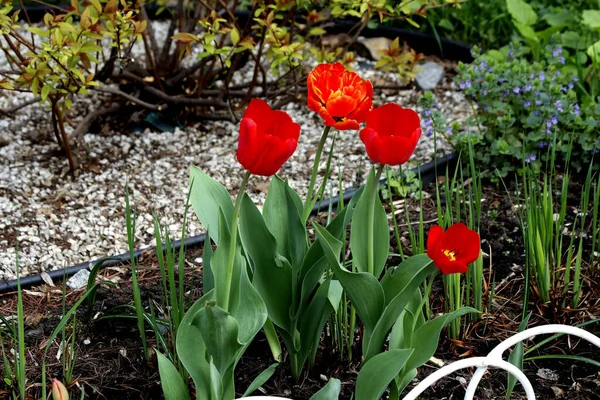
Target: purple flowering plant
{"x": 523, "y": 108}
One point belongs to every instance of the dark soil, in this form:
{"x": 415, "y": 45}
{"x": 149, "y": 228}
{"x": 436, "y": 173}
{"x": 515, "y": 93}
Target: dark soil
{"x": 110, "y": 362}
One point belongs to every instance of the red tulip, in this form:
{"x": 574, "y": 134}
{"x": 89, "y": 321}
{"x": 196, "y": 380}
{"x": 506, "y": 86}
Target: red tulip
{"x": 267, "y": 138}
{"x": 340, "y": 97}
{"x": 391, "y": 134}
{"x": 452, "y": 250}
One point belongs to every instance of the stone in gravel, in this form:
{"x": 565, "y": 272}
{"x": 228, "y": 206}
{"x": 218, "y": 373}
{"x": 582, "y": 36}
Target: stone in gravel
{"x": 79, "y": 280}
{"x": 375, "y": 46}
{"x": 429, "y": 75}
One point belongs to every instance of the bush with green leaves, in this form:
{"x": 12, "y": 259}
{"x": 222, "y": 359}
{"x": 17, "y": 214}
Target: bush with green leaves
{"x": 62, "y": 59}
{"x": 523, "y": 109}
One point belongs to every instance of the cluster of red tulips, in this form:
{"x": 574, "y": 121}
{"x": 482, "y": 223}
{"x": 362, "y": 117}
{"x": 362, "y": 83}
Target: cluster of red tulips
{"x": 268, "y": 138}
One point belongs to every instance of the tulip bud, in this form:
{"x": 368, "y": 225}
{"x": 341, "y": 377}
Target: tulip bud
{"x": 59, "y": 391}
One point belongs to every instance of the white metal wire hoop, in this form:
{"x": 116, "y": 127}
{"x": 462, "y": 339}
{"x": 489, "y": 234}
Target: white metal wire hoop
{"x": 494, "y": 359}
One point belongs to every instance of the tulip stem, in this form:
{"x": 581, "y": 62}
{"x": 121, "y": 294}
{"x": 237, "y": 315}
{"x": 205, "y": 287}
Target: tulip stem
{"x": 233, "y": 245}
{"x": 308, "y": 205}
{"x": 371, "y": 223}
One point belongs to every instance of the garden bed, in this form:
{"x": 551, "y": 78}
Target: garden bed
{"x": 110, "y": 359}
{"x": 60, "y": 220}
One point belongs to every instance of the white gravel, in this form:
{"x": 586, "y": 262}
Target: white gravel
{"x": 58, "y": 219}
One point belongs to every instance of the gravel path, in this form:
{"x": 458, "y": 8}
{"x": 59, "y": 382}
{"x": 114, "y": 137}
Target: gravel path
{"x": 59, "y": 220}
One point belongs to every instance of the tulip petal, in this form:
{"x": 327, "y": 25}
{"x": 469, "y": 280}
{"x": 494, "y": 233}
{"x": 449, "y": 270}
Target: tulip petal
{"x": 248, "y": 144}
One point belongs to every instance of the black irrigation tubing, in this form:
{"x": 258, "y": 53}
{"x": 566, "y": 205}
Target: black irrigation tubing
{"x": 428, "y": 173}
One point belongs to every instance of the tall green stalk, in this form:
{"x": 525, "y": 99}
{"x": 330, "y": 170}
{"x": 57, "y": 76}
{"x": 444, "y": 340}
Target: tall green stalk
{"x": 234, "y": 234}
{"x": 371, "y": 222}
{"x": 308, "y": 205}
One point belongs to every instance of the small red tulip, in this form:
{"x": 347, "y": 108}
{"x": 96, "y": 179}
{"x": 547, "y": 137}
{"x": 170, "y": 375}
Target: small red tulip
{"x": 391, "y": 134}
{"x": 267, "y": 138}
{"x": 453, "y": 250}
{"x": 339, "y": 96}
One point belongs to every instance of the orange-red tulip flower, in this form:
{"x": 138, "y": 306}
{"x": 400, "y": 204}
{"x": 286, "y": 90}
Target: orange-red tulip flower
{"x": 391, "y": 134}
{"x": 339, "y": 96}
{"x": 454, "y": 249}
{"x": 267, "y": 138}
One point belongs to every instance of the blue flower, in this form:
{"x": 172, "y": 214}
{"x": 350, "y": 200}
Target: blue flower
{"x": 429, "y": 131}
{"x": 570, "y": 85}
{"x": 465, "y": 84}
{"x": 542, "y": 77}
{"x": 527, "y": 104}
{"x": 576, "y": 109}
{"x": 427, "y": 112}
{"x": 516, "y": 90}
{"x": 483, "y": 92}
{"x": 527, "y": 88}
{"x": 537, "y": 113}
{"x": 559, "y": 106}
{"x": 500, "y": 80}
{"x": 506, "y": 92}
{"x": 548, "y": 123}
{"x": 541, "y": 145}
{"x": 561, "y": 60}
{"x": 557, "y": 51}
{"x": 530, "y": 158}
{"x": 427, "y": 122}
{"x": 554, "y": 120}
{"x": 538, "y": 102}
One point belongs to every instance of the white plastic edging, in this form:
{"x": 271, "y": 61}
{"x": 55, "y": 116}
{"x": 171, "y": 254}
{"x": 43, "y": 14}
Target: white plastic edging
{"x": 494, "y": 359}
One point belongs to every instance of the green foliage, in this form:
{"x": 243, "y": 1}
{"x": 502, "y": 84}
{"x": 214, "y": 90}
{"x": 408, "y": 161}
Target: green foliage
{"x": 524, "y": 108}
{"x": 288, "y": 272}
{"x": 380, "y": 304}
{"x": 399, "y": 59}
{"x": 400, "y": 185}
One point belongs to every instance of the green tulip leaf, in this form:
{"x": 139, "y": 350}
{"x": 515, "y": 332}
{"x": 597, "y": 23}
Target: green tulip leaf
{"x": 425, "y": 341}
{"x": 261, "y": 379}
{"x": 331, "y": 391}
{"x": 369, "y": 234}
{"x": 377, "y": 373}
{"x": 216, "y": 382}
{"x": 362, "y": 288}
{"x": 272, "y": 273}
{"x": 251, "y": 312}
{"x": 191, "y": 348}
{"x": 208, "y": 279}
{"x": 281, "y": 216}
{"x": 312, "y": 321}
{"x": 172, "y": 384}
{"x": 227, "y": 288}
{"x": 207, "y": 197}
{"x": 220, "y": 335}
{"x": 399, "y": 282}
